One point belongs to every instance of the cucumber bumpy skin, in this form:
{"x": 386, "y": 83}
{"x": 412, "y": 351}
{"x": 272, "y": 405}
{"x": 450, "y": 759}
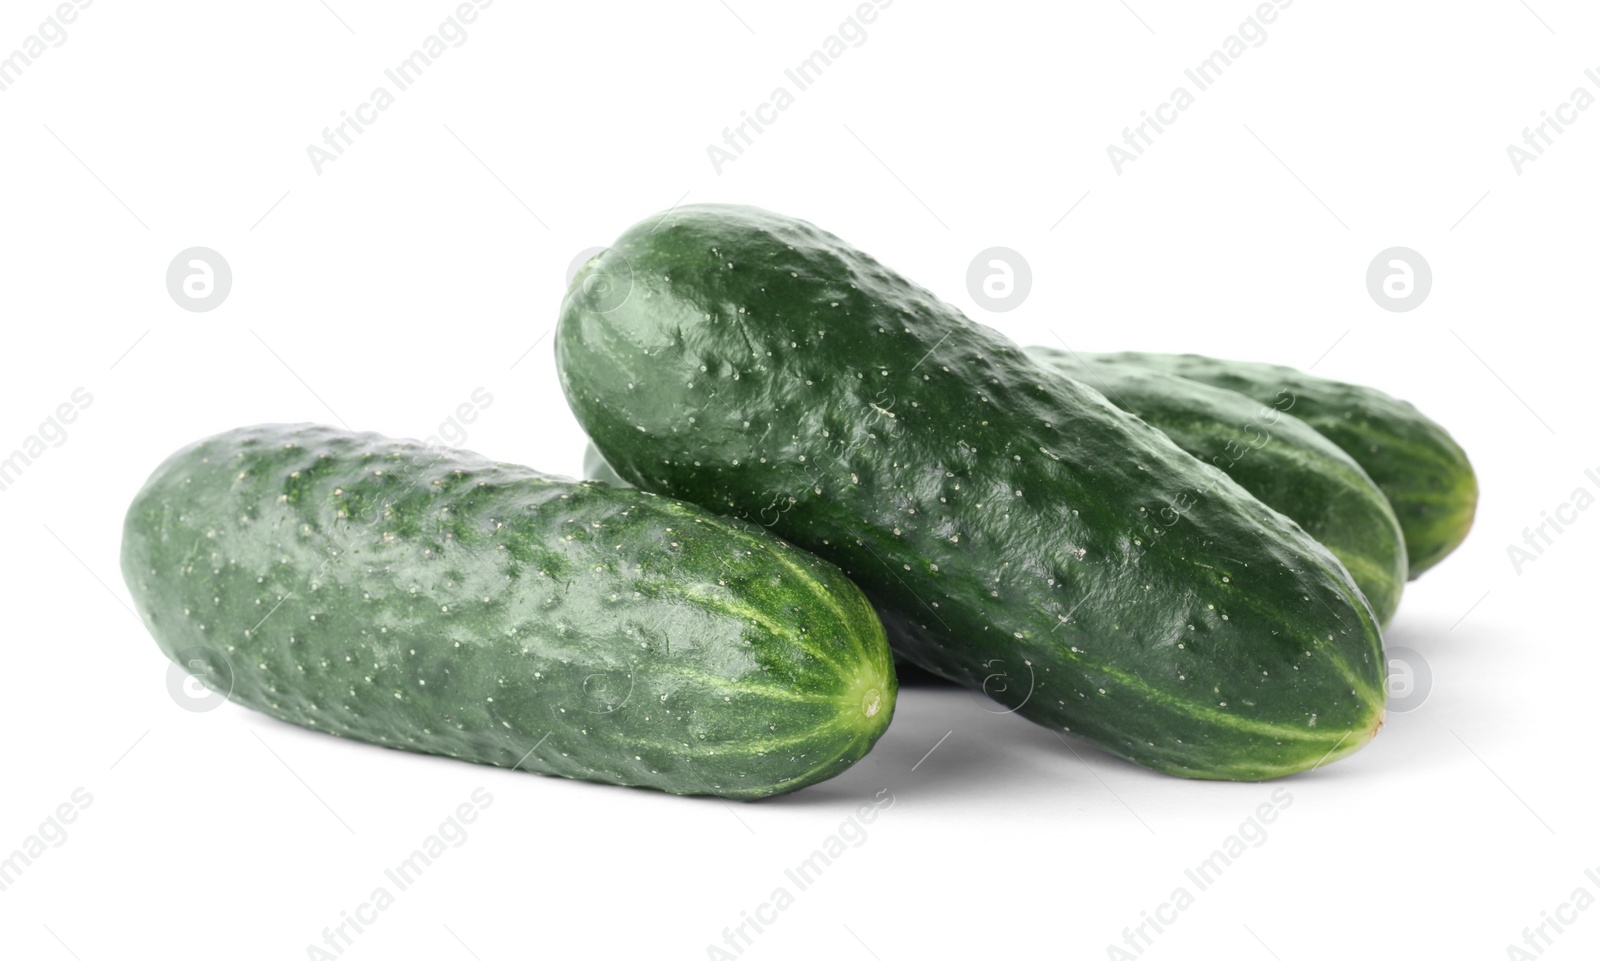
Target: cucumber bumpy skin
{"x": 906, "y": 673}
{"x": 1415, "y": 462}
{"x": 1273, "y": 455}
{"x": 1011, "y": 519}
{"x": 437, "y": 602}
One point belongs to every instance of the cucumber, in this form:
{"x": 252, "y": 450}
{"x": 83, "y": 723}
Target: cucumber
{"x": 433, "y": 601}
{"x": 1010, "y": 520}
{"x": 906, "y": 673}
{"x": 1273, "y": 455}
{"x": 1414, "y": 461}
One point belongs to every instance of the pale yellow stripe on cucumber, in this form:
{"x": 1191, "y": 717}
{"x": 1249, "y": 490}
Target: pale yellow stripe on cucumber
{"x": 1331, "y": 656}
{"x": 744, "y": 747}
{"x": 780, "y": 554}
{"x": 1353, "y": 740}
{"x": 1325, "y": 651}
{"x": 1324, "y": 646}
{"x": 1184, "y": 705}
{"x": 1360, "y": 566}
{"x": 845, "y": 758}
{"x": 741, "y": 687}
{"x": 762, "y": 747}
{"x": 748, "y": 613}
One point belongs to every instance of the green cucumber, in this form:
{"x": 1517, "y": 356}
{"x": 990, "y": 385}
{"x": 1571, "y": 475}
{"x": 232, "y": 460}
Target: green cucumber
{"x": 434, "y": 601}
{"x": 1273, "y": 455}
{"x": 907, "y": 674}
{"x": 1414, "y": 461}
{"x": 1011, "y": 520}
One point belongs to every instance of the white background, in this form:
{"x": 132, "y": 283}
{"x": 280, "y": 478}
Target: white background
{"x": 432, "y": 256}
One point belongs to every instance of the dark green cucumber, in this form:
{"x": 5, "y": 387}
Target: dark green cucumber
{"x": 1415, "y": 462}
{"x": 435, "y": 601}
{"x": 1273, "y": 455}
{"x": 1012, "y": 520}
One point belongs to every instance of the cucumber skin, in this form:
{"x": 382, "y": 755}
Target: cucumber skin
{"x": 1415, "y": 462}
{"x": 906, "y": 673}
{"x": 1272, "y": 454}
{"x": 560, "y": 627}
{"x": 765, "y": 369}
